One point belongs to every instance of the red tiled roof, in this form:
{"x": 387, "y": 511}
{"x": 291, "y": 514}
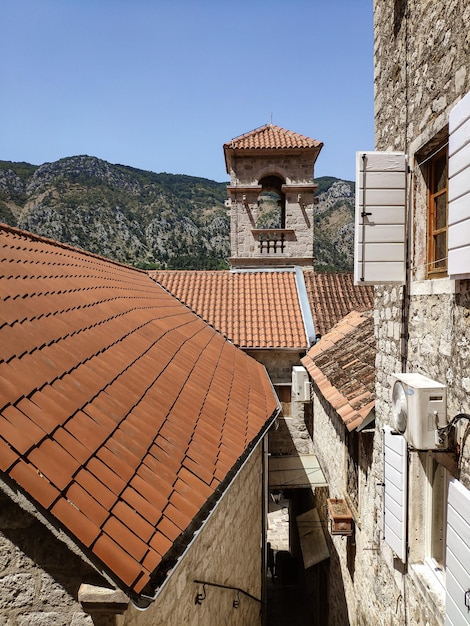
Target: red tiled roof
{"x": 333, "y": 295}
{"x": 252, "y": 309}
{"x": 121, "y": 412}
{"x": 342, "y": 367}
{"x": 261, "y": 309}
{"x": 272, "y": 137}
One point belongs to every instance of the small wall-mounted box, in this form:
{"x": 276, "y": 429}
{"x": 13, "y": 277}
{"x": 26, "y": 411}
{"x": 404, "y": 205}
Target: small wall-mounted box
{"x": 340, "y": 517}
{"x": 300, "y": 384}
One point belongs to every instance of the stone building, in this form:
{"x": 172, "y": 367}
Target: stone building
{"x": 342, "y": 369}
{"x": 271, "y": 197}
{"x": 274, "y": 306}
{"x": 132, "y": 450}
{"x": 408, "y": 561}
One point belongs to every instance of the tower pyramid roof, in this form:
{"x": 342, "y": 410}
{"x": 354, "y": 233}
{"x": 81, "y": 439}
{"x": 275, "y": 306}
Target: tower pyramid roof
{"x": 272, "y": 137}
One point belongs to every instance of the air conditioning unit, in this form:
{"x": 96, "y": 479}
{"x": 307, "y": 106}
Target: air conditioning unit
{"x": 419, "y": 410}
{"x": 300, "y": 384}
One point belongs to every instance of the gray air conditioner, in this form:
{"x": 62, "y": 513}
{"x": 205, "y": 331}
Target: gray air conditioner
{"x": 419, "y": 410}
{"x": 300, "y": 384}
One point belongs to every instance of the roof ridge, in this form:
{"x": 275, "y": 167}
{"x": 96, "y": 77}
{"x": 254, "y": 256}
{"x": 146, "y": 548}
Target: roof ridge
{"x": 273, "y": 136}
{"x": 250, "y": 132}
{"x": 65, "y": 246}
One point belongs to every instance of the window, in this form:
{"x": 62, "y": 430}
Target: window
{"x": 437, "y": 213}
{"x": 271, "y": 204}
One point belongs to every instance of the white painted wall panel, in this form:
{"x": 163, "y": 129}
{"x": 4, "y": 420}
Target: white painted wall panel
{"x": 460, "y": 259}
{"x": 459, "y": 210}
{"x": 460, "y": 137}
{"x": 381, "y": 273}
{"x": 387, "y": 214}
{"x": 459, "y": 235}
{"x": 457, "y": 554}
{"x": 388, "y": 197}
{"x": 377, "y": 252}
{"x": 460, "y": 182}
{"x": 380, "y": 218}
{"x": 382, "y": 180}
{"x": 383, "y": 233}
{"x": 395, "y": 492}
{"x": 459, "y": 189}
{"x": 381, "y": 161}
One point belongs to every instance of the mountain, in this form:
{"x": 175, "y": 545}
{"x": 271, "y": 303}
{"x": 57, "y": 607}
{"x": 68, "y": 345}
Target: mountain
{"x": 333, "y": 243}
{"x": 151, "y": 220}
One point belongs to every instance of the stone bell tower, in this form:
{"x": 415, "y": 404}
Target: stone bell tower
{"x": 271, "y": 197}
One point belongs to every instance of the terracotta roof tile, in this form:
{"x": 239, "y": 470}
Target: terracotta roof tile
{"x": 75, "y": 521}
{"x": 117, "y": 559}
{"x": 87, "y": 504}
{"x": 342, "y": 367}
{"x": 120, "y": 410}
{"x": 246, "y": 307}
{"x": 272, "y": 137}
{"x": 7, "y": 456}
{"x": 333, "y": 295}
{"x": 161, "y": 545}
{"x": 33, "y": 482}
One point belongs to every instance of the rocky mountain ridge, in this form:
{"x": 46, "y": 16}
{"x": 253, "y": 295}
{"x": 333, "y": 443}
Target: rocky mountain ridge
{"x": 148, "y": 219}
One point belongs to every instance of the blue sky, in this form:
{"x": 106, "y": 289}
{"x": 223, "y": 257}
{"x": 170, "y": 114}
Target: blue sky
{"x": 161, "y": 85}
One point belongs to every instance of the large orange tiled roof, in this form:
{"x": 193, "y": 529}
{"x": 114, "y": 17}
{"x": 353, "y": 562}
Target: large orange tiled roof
{"x": 272, "y": 137}
{"x": 333, "y": 295}
{"x": 342, "y": 367}
{"x": 121, "y": 411}
{"x": 253, "y": 309}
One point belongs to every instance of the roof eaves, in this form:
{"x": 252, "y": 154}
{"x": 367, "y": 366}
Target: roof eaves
{"x": 173, "y": 557}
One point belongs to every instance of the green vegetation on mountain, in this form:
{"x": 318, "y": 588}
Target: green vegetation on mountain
{"x": 333, "y": 236}
{"x": 147, "y": 219}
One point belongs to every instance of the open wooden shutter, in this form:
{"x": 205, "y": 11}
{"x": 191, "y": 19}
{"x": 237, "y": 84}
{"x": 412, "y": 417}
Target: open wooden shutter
{"x": 459, "y": 189}
{"x": 379, "y": 250}
{"x": 395, "y": 492}
{"x": 457, "y": 555}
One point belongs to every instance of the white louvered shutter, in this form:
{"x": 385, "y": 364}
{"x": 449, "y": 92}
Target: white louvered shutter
{"x": 395, "y": 488}
{"x": 457, "y": 554}
{"x": 379, "y": 247}
{"x": 459, "y": 189}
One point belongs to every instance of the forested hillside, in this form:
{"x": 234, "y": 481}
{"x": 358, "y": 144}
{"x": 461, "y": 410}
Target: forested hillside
{"x": 148, "y": 219}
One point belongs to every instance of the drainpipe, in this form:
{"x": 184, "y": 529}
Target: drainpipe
{"x": 264, "y": 516}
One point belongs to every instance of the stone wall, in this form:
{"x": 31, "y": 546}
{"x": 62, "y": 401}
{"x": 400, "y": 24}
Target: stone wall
{"x": 226, "y": 551}
{"x": 365, "y": 582}
{"x": 292, "y": 432}
{"x": 421, "y": 68}
{"x": 39, "y": 576}
{"x": 278, "y": 363}
{"x": 296, "y": 171}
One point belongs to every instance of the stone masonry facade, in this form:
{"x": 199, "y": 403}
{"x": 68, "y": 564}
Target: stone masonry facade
{"x": 244, "y": 192}
{"x": 227, "y": 551}
{"x": 422, "y": 69}
{"x": 39, "y": 576}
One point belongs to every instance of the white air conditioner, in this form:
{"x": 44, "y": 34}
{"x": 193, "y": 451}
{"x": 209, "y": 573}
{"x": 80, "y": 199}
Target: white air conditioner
{"x": 300, "y": 384}
{"x": 419, "y": 410}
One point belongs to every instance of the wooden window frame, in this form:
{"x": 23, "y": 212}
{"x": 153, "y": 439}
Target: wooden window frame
{"x": 435, "y": 270}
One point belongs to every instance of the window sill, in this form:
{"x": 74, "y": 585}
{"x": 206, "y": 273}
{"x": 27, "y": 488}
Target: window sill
{"x": 272, "y": 231}
{"x": 434, "y": 286}
{"x": 431, "y": 589}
